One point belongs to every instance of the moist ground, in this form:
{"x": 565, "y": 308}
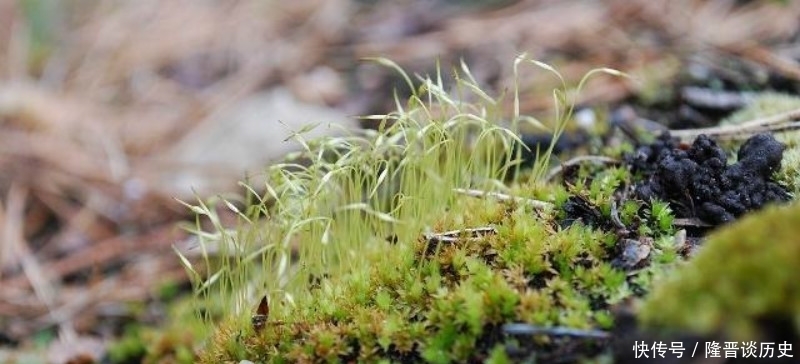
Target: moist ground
{"x": 698, "y": 182}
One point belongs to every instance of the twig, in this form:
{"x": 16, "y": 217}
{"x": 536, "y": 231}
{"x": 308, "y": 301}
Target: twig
{"x": 691, "y": 222}
{"x": 780, "y": 128}
{"x": 453, "y": 235}
{"x": 503, "y": 197}
{"x": 615, "y": 219}
{"x": 752, "y": 126}
{"x": 577, "y": 160}
{"x": 519, "y": 329}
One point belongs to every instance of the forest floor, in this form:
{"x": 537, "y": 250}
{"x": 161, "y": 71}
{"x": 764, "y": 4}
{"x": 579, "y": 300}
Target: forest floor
{"x": 110, "y": 111}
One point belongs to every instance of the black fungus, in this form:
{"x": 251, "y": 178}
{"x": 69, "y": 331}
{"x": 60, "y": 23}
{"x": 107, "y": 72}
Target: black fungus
{"x": 645, "y": 157}
{"x": 698, "y": 182}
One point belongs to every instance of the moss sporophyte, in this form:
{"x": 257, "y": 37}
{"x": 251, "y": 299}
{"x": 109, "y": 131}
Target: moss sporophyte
{"x": 412, "y": 244}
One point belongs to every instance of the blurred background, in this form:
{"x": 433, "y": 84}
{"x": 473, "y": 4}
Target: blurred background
{"x": 111, "y": 109}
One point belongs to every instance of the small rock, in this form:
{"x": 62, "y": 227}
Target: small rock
{"x": 633, "y": 253}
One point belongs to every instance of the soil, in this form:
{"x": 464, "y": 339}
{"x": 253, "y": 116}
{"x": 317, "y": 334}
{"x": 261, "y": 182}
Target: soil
{"x": 698, "y": 182}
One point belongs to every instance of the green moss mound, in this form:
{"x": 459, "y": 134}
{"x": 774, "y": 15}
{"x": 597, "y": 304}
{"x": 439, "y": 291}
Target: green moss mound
{"x": 446, "y": 300}
{"x": 422, "y": 241}
{"x": 746, "y": 275}
{"x": 350, "y": 246}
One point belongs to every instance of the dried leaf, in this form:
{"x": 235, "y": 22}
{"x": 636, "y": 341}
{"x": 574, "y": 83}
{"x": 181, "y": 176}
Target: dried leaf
{"x": 259, "y": 320}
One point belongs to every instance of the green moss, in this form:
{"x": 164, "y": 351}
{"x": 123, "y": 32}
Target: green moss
{"x": 444, "y": 302}
{"x": 370, "y": 282}
{"x": 744, "y": 273}
{"x": 789, "y": 174}
{"x": 130, "y": 348}
{"x": 174, "y": 342}
{"x": 764, "y": 104}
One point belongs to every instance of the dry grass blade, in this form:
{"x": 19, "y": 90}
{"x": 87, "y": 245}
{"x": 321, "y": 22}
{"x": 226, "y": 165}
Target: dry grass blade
{"x": 33, "y": 271}
{"x": 18, "y": 248}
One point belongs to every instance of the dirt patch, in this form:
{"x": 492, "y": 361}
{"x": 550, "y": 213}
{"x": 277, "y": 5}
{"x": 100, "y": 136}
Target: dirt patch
{"x": 698, "y": 182}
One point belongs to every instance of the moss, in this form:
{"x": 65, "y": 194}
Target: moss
{"x": 744, "y": 275}
{"x": 789, "y": 174}
{"x": 381, "y": 286}
{"x": 130, "y": 348}
{"x": 174, "y": 342}
{"x": 444, "y": 302}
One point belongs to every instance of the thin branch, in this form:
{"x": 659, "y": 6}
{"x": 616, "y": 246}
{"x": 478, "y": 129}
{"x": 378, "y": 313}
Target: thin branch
{"x": 753, "y": 126}
{"x": 691, "y": 222}
{"x": 519, "y": 329}
{"x": 453, "y": 235}
{"x": 779, "y": 128}
{"x": 578, "y": 160}
{"x": 615, "y": 219}
{"x": 537, "y": 204}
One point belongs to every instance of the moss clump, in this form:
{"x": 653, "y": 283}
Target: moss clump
{"x": 175, "y": 342}
{"x": 352, "y": 275}
{"x": 447, "y": 301}
{"x": 745, "y": 275}
{"x": 789, "y": 174}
